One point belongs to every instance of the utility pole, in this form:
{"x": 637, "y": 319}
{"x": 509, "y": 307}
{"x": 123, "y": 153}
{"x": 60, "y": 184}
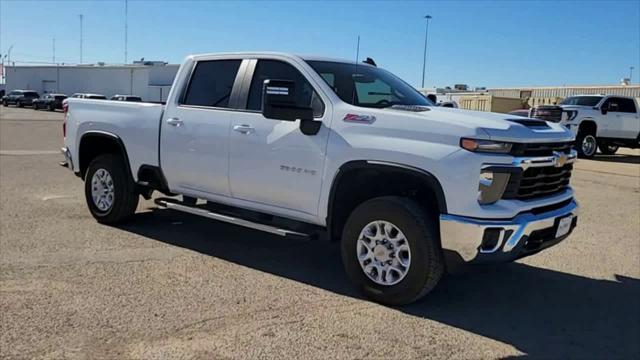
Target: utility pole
{"x": 81, "y": 16}
{"x": 630, "y": 73}
{"x": 126, "y": 28}
{"x": 424, "y": 56}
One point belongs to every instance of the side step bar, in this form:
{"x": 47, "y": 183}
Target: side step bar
{"x": 176, "y": 205}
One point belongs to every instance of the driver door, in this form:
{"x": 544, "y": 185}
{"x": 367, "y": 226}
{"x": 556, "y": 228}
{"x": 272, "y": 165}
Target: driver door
{"x": 272, "y": 162}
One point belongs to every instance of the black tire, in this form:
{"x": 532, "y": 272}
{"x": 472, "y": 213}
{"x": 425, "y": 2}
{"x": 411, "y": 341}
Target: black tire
{"x": 420, "y": 227}
{"x": 608, "y": 149}
{"x": 35, "y": 106}
{"x": 4, "y": 103}
{"x": 20, "y": 104}
{"x": 586, "y": 151}
{"x": 125, "y": 198}
{"x": 52, "y": 107}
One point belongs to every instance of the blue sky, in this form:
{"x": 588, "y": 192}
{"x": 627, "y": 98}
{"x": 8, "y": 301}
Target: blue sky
{"x": 480, "y": 43}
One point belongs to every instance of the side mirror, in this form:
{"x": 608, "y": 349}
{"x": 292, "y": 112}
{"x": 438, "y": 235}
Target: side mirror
{"x": 604, "y": 110}
{"x": 279, "y": 102}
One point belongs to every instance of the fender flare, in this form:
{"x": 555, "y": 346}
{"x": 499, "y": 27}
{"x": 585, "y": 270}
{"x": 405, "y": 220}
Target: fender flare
{"x": 426, "y": 176}
{"x": 104, "y": 135}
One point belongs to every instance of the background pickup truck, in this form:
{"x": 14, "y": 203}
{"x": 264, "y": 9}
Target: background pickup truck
{"x": 305, "y": 146}
{"x": 598, "y": 121}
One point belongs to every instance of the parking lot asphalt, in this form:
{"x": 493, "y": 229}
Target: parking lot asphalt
{"x": 170, "y": 285}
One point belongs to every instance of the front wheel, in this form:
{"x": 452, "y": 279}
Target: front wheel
{"x": 586, "y": 145}
{"x": 109, "y": 189}
{"x": 20, "y": 104}
{"x": 607, "y": 149}
{"x": 391, "y": 250}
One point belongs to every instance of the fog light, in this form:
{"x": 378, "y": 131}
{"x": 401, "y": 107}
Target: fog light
{"x": 491, "y": 186}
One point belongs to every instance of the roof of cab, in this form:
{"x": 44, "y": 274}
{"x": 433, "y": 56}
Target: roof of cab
{"x": 271, "y": 53}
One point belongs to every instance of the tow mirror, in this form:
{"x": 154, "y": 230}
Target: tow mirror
{"x": 279, "y": 102}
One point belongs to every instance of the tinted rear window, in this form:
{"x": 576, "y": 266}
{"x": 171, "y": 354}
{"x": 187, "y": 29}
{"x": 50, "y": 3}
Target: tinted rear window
{"x": 211, "y": 83}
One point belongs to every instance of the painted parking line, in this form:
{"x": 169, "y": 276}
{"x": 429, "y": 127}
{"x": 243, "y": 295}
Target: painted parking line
{"x": 28, "y": 152}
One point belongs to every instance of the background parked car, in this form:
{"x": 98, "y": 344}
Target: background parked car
{"x": 49, "y": 101}
{"x": 89, "y": 96}
{"x": 132, "y": 98}
{"x": 20, "y": 98}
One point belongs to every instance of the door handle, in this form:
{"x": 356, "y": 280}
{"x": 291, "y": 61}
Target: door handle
{"x": 244, "y": 129}
{"x": 174, "y": 122}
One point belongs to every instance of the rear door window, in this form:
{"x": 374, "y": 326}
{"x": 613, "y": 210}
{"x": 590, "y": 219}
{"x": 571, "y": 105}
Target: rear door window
{"x": 627, "y": 105}
{"x": 211, "y": 83}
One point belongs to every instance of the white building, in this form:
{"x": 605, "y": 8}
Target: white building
{"x": 151, "y": 82}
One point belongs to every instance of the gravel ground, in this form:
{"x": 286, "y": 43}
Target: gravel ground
{"x": 168, "y": 285}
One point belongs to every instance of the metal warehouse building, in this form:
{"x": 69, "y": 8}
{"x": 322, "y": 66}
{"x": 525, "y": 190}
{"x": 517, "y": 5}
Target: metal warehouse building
{"x": 564, "y": 91}
{"x": 149, "y": 80}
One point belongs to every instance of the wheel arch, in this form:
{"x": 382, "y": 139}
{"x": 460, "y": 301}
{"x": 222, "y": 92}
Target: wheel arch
{"x": 588, "y": 125}
{"x": 349, "y": 190}
{"x": 94, "y": 143}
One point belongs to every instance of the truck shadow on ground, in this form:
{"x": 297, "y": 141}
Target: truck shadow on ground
{"x": 620, "y": 158}
{"x": 543, "y": 313}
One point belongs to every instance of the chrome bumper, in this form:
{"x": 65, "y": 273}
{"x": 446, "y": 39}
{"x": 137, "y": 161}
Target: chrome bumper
{"x": 68, "y": 162}
{"x": 465, "y": 236}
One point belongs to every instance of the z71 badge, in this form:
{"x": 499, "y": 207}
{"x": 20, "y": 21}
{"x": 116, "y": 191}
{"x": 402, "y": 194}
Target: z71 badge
{"x": 362, "y": 119}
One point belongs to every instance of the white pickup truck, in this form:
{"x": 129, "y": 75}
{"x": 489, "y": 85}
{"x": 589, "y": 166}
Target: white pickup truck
{"x": 598, "y": 121}
{"x": 301, "y": 146}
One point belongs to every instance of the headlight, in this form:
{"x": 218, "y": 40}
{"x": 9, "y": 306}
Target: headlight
{"x": 491, "y": 185}
{"x": 571, "y": 115}
{"x": 487, "y": 146}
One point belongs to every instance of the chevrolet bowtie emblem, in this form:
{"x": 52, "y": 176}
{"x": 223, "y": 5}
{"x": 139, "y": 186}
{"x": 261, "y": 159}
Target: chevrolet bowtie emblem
{"x": 561, "y": 159}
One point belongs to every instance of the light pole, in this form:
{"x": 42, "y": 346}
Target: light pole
{"x": 424, "y": 56}
{"x": 630, "y": 73}
{"x": 126, "y": 28}
{"x": 81, "y": 16}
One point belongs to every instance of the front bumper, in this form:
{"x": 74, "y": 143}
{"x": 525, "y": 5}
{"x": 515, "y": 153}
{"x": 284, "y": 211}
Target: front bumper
{"x": 488, "y": 241}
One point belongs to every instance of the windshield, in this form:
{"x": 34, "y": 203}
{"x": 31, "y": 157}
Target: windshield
{"x": 367, "y": 86}
{"x": 582, "y": 100}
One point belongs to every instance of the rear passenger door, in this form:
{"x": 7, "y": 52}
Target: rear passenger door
{"x": 621, "y": 119}
{"x": 194, "y": 149}
{"x": 629, "y": 118}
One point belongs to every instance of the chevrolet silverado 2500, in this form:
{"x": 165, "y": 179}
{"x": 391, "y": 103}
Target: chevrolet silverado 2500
{"x": 300, "y": 146}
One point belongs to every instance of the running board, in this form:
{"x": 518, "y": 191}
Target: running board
{"x": 173, "y": 204}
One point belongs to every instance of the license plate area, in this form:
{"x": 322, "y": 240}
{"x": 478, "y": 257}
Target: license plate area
{"x": 564, "y": 226}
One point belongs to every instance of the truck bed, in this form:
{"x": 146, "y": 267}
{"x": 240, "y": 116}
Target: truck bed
{"x": 137, "y": 124}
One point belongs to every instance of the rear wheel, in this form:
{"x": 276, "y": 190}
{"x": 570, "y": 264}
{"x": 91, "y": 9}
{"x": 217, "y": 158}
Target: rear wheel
{"x": 35, "y": 106}
{"x": 391, "y": 250}
{"x": 109, "y": 190}
{"x": 52, "y": 107}
{"x": 608, "y": 149}
{"x": 586, "y": 145}
{"x": 20, "y": 104}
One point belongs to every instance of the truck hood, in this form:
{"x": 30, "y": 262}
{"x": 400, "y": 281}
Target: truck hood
{"x": 494, "y": 126}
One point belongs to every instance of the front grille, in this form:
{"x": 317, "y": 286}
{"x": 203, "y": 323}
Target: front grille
{"x": 538, "y": 182}
{"x": 547, "y": 112}
{"x": 541, "y": 149}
